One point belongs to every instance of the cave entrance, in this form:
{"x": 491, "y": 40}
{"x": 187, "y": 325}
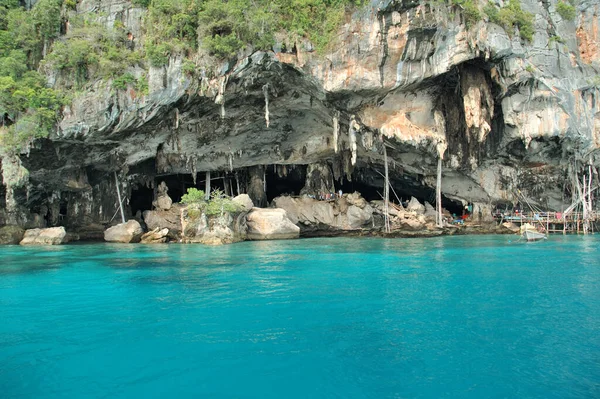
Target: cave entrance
{"x": 284, "y": 180}
{"x": 368, "y": 191}
{"x": 370, "y": 184}
{"x": 177, "y": 184}
{"x": 141, "y": 199}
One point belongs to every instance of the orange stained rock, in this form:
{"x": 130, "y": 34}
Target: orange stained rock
{"x": 588, "y": 38}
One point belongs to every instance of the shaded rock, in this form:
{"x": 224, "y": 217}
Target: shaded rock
{"x": 415, "y": 206}
{"x": 162, "y": 219}
{"x": 341, "y": 214}
{"x": 319, "y": 180}
{"x": 11, "y": 235}
{"x": 156, "y": 236}
{"x": 49, "y": 236}
{"x": 430, "y": 212}
{"x": 128, "y": 232}
{"x": 271, "y": 224}
{"x": 244, "y": 201}
{"x": 91, "y": 232}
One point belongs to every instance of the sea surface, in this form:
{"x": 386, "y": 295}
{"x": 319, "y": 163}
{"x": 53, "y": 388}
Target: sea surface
{"x": 452, "y": 317}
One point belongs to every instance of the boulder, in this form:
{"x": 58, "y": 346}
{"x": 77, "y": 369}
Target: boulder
{"x": 244, "y": 201}
{"x": 271, "y": 224}
{"x": 430, "y": 212}
{"x": 357, "y": 217}
{"x": 11, "y": 235}
{"x": 162, "y": 219}
{"x": 213, "y": 229}
{"x": 156, "y": 236}
{"x": 128, "y": 232}
{"x": 415, "y": 206}
{"x": 164, "y": 203}
{"x": 313, "y": 215}
{"x": 356, "y": 199}
{"x": 49, "y": 236}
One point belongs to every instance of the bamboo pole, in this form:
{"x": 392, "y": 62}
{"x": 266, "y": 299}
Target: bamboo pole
{"x": 386, "y": 192}
{"x": 207, "y": 186}
{"x": 438, "y": 193}
{"x": 120, "y": 200}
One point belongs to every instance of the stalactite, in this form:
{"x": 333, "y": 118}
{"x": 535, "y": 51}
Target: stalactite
{"x": 231, "y": 162}
{"x": 176, "y": 118}
{"x": 221, "y": 96}
{"x": 194, "y": 169}
{"x": 353, "y": 127}
{"x": 336, "y": 130}
{"x": 265, "y": 90}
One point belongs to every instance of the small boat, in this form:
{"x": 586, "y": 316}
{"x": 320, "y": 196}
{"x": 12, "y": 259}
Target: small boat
{"x": 531, "y": 235}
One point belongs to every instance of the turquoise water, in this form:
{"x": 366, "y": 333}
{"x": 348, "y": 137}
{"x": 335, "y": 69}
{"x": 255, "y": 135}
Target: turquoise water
{"x": 455, "y": 317}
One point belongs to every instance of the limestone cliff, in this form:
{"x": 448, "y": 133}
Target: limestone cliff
{"x": 505, "y": 114}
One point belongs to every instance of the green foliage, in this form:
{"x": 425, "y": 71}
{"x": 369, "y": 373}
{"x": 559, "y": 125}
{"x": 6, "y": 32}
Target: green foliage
{"x": 123, "y": 81}
{"x": 171, "y": 27}
{"x": 91, "y": 50}
{"x": 189, "y": 67}
{"x": 193, "y": 196}
{"x": 556, "y": 39}
{"x": 512, "y": 15}
{"x": 470, "y": 11}
{"x": 529, "y": 69}
{"x": 566, "y": 11}
{"x": 220, "y": 203}
{"x": 594, "y": 81}
{"x": 28, "y": 108}
{"x": 142, "y": 85}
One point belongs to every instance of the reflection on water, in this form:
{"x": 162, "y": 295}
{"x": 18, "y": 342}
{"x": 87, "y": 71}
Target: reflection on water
{"x": 477, "y": 316}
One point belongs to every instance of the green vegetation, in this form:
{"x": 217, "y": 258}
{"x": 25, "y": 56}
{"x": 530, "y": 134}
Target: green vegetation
{"x": 225, "y": 27}
{"x": 470, "y": 11}
{"x": 512, "y": 15}
{"x": 193, "y": 196}
{"x": 90, "y": 50}
{"x": 565, "y": 10}
{"x": 556, "y": 39}
{"x": 28, "y": 109}
{"x": 218, "y": 204}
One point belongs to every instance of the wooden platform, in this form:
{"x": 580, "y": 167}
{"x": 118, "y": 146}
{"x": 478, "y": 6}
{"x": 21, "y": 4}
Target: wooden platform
{"x": 553, "y": 222}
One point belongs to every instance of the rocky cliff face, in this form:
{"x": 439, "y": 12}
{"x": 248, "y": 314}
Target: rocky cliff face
{"x": 503, "y": 114}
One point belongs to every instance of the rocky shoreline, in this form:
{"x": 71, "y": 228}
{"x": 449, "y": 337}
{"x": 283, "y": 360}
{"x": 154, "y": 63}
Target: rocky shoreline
{"x": 349, "y": 215}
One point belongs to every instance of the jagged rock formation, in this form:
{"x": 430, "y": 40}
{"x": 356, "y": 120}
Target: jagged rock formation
{"x": 503, "y": 114}
{"x": 224, "y": 228}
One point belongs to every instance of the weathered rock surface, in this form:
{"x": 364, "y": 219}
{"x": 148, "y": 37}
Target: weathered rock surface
{"x": 163, "y": 203}
{"x": 205, "y": 229}
{"x": 351, "y": 212}
{"x": 129, "y": 232}
{"x": 415, "y": 206}
{"x": 49, "y": 236}
{"x": 271, "y": 224}
{"x": 10, "y": 235}
{"x": 156, "y": 236}
{"x": 506, "y": 114}
{"x": 169, "y": 219}
{"x": 244, "y": 201}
